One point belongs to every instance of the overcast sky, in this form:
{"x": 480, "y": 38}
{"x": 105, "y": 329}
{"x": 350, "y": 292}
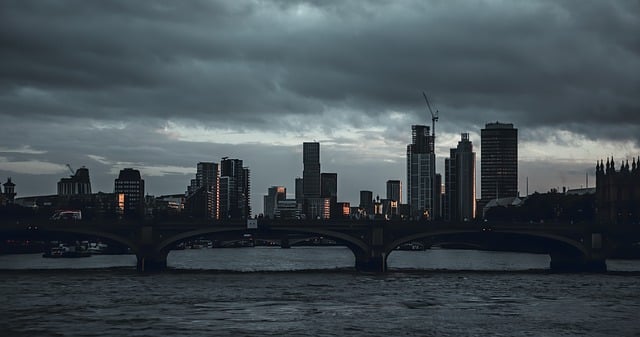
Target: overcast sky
{"x": 160, "y": 86}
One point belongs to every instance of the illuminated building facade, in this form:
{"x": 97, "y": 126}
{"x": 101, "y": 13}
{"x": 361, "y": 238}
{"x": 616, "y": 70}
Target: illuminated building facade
{"x": 274, "y": 195}
{"x": 129, "y": 192}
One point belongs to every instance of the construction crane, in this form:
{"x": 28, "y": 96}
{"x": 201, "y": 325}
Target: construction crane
{"x": 71, "y": 169}
{"x": 434, "y": 116}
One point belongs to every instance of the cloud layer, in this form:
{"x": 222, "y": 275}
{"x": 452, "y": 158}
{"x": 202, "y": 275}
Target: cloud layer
{"x": 168, "y": 84}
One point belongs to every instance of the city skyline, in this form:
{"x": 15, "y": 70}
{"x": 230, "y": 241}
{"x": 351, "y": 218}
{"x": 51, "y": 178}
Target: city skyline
{"x": 254, "y": 81}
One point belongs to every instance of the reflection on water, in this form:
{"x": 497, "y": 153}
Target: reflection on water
{"x": 337, "y": 302}
{"x": 307, "y": 258}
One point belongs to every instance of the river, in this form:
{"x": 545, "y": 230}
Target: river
{"x": 307, "y": 291}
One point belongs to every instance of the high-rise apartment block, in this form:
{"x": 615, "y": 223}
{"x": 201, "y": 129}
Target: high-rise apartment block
{"x": 499, "y": 161}
{"x": 460, "y": 182}
{"x": 234, "y": 190}
{"x": 129, "y": 192}
{"x": 421, "y": 171}
{"x": 203, "y": 193}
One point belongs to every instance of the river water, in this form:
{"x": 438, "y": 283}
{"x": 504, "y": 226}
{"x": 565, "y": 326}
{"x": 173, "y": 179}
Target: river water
{"x": 307, "y": 291}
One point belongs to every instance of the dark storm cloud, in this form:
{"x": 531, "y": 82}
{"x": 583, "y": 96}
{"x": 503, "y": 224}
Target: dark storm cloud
{"x": 565, "y": 64}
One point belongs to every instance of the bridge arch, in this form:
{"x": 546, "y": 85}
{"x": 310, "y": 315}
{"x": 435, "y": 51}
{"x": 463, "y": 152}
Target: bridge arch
{"x": 357, "y": 246}
{"x": 83, "y": 232}
{"x": 563, "y": 250}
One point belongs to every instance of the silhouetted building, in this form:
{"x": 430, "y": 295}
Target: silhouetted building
{"x": 329, "y": 189}
{"x": 311, "y": 179}
{"x": 394, "y": 190}
{"x": 77, "y": 184}
{"x": 618, "y": 192}
{"x": 203, "y": 194}
{"x": 9, "y": 191}
{"x": 129, "y": 192}
{"x": 288, "y": 209}
{"x": 499, "y": 161}
{"x": 421, "y": 171}
{"x": 311, "y": 169}
{"x": 171, "y": 204}
{"x": 366, "y": 203}
{"x": 234, "y": 190}
{"x": 299, "y": 191}
{"x": 318, "y": 208}
{"x": 460, "y": 182}
{"x": 437, "y": 197}
{"x": 274, "y": 195}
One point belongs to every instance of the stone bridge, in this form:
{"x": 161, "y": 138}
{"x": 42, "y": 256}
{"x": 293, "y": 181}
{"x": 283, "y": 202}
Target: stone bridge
{"x": 571, "y": 247}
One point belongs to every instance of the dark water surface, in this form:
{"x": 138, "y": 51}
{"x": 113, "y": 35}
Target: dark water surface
{"x": 261, "y": 291}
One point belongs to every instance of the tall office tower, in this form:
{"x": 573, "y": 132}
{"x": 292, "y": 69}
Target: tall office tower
{"x": 460, "y": 179}
{"x": 421, "y": 171}
{"x": 234, "y": 190}
{"x": 203, "y": 194}
{"x": 129, "y": 191}
{"x": 311, "y": 170}
{"x": 366, "y": 202}
{"x": 312, "y": 204}
{"x": 274, "y": 195}
{"x": 76, "y": 184}
{"x": 394, "y": 190}
{"x": 499, "y": 161}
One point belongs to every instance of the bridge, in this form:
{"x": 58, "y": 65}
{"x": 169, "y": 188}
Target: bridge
{"x": 570, "y": 247}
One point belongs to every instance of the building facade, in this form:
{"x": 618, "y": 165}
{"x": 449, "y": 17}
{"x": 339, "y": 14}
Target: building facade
{"x": 9, "y": 193}
{"x": 329, "y": 189}
{"x": 129, "y": 193}
{"x": 394, "y": 190}
{"x": 311, "y": 169}
{"x": 299, "y": 190}
{"x": 421, "y": 171}
{"x": 274, "y": 195}
{"x": 311, "y": 177}
{"x": 203, "y": 194}
{"x": 499, "y": 161}
{"x": 460, "y": 182}
{"x": 78, "y": 184}
{"x": 618, "y": 193}
{"x": 234, "y": 190}
{"x": 366, "y": 203}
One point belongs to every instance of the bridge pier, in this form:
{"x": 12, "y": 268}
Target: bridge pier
{"x": 566, "y": 263}
{"x": 149, "y": 263}
{"x": 374, "y": 263}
